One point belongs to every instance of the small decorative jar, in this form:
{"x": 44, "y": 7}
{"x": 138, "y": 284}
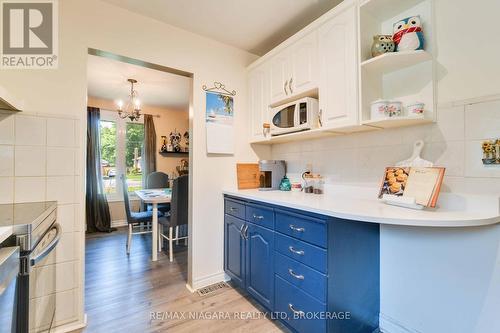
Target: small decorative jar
{"x": 285, "y": 184}
{"x": 382, "y": 44}
{"x": 394, "y": 109}
{"x": 415, "y": 109}
{"x": 378, "y": 109}
{"x": 296, "y": 187}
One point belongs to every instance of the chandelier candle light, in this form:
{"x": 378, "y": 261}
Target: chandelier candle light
{"x": 132, "y": 108}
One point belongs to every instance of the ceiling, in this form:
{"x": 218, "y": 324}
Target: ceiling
{"x": 256, "y": 26}
{"x": 107, "y": 79}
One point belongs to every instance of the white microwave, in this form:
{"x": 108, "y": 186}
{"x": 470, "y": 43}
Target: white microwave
{"x": 300, "y": 115}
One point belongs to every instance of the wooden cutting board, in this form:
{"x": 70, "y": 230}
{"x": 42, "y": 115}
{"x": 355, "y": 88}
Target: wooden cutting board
{"x": 248, "y": 175}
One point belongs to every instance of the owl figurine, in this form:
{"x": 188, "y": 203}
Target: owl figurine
{"x": 408, "y": 35}
{"x": 382, "y": 44}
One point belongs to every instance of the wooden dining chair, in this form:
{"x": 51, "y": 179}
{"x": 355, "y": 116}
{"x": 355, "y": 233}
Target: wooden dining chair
{"x": 138, "y": 220}
{"x": 177, "y": 217}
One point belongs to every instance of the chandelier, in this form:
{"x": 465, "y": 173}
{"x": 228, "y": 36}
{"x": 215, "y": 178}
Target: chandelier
{"x": 132, "y": 107}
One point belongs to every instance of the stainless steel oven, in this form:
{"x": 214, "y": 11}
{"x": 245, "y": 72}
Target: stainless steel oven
{"x": 9, "y": 269}
{"x": 37, "y": 233}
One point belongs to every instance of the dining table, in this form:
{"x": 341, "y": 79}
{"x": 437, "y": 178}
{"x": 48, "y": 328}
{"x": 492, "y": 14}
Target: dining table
{"x": 154, "y": 197}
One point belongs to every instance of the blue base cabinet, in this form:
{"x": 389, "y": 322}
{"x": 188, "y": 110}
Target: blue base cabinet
{"x": 319, "y": 274}
{"x": 234, "y": 250}
{"x": 259, "y": 258}
{"x": 249, "y": 250}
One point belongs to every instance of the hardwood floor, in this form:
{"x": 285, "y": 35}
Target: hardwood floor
{"x": 132, "y": 294}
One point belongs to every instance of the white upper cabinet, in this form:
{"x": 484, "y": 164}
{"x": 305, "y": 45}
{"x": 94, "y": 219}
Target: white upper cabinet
{"x": 258, "y": 100}
{"x": 304, "y": 65}
{"x": 279, "y": 77}
{"x": 338, "y": 87}
{"x": 293, "y": 71}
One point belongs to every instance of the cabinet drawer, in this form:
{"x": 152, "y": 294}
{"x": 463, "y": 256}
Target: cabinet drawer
{"x": 302, "y": 227}
{"x": 301, "y": 276}
{"x": 303, "y": 252}
{"x": 235, "y": 208}
{"x": 298, "y": 306}
{"x": 260, "y": 216}
{"x": 306, "y": 253}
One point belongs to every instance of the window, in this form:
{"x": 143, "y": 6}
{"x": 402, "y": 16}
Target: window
{"x": 134, "y": 137}
{"x": 108, "y": 155}
{"x": 121, "y": 153}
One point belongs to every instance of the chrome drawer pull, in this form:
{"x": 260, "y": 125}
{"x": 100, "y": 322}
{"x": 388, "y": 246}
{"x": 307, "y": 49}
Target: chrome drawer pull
{"x": 258, "y": 217}
{"x": 295, "y": 312}
{"x": 233, "y": 209}
{"x": 294, "y": 228}
{"x": 299, "y": 252}
{"x": 297, "y": 276}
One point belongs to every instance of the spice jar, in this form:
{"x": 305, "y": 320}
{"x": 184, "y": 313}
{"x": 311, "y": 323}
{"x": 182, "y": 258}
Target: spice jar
{"x": 318, "y": 185}
{"x": 266, "y": 130}
{"x": 308, "y": 183}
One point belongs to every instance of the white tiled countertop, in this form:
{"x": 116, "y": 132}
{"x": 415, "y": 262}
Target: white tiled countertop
{"x": 361, "y": 204}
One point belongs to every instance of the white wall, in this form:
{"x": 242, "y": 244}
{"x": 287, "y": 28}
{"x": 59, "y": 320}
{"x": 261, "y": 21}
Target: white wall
{"x": 91, "y": 23}
{"x": 434, "y": 280}
{"x": 467, "y": 48}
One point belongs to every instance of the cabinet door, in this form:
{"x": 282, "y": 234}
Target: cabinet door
{"x": 234, "y": 249}
{"x": 338, "y": 91}
{"x": 304, "y": 64}
{"x": 260, "y": 264}
{"x": 279, "y": 77}
{"x": 258, "y": 84}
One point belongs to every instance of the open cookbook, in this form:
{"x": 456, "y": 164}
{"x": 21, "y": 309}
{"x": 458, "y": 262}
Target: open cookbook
{"x": 421, "y": 183}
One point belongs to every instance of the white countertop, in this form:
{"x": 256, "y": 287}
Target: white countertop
{"x": 5, "y": 233}
{"x": 361, "y": 204}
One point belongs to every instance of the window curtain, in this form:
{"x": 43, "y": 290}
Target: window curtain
{"x": 96, "y": 205}
{"x": 149, "y": 150}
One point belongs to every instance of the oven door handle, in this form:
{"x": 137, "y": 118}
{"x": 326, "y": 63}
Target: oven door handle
{"x": 49, "y": 247}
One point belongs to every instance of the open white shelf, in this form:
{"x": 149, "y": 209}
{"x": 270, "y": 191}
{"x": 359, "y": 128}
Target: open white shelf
{"x": 390, "y": 62}
{"x": 408, "y": 77}
{"x": 397, "y": 122}
{"x": 304, "y": 135}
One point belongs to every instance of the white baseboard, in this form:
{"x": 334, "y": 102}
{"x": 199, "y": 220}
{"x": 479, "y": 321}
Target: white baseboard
{"x": 191, "y": 290}
{"x": 208, "y": 280}
{"x": 71, "y": 327}
{"x": 119, "y": 223}
{"x": 390, "y": 325}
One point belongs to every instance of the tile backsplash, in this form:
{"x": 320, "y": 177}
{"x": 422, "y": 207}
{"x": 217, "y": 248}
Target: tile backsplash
{"x": 454, "y": 142}
{"x": 39, "y": 160}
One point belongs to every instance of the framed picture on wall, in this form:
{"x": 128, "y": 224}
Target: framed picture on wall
{"x": 219, "y": 123}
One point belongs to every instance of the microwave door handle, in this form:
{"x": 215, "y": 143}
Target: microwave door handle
{"x": 296, "y": 115}
{"x": 49, "y": 247}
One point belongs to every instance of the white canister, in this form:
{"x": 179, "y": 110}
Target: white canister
{"x": 415, "y": 109}
{"x": 394, "y": 109}
{"x": 378, "y": 109}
